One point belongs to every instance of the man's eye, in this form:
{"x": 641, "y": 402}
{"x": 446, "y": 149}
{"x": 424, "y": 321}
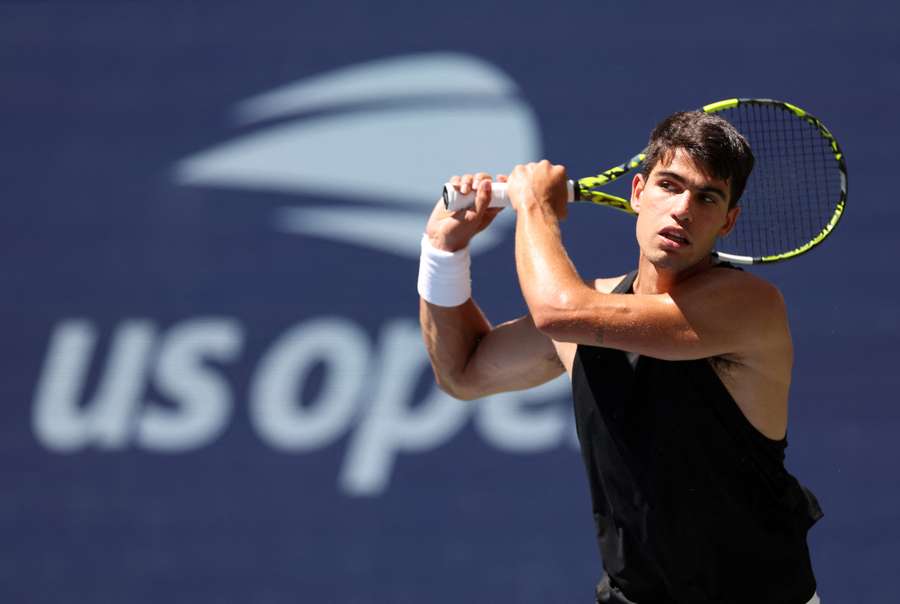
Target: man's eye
{"x": 665, "y": 184}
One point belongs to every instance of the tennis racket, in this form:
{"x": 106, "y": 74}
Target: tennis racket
{"x": 794, "y": 197}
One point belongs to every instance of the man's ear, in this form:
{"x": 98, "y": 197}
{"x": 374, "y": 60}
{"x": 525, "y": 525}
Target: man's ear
{"x": 730, "y": 219}
{"x": 637, "y": 187}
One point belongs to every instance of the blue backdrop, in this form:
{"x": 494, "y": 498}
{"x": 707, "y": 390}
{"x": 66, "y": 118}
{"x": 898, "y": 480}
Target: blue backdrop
{"x": 213, "y": 384}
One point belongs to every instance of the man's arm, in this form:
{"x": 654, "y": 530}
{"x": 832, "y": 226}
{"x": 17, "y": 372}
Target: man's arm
{"x": 715, "y": 313}
{"x": 471, "y": 358}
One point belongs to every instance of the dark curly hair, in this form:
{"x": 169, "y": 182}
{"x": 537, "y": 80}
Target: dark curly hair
{"x": 712, "y": 142}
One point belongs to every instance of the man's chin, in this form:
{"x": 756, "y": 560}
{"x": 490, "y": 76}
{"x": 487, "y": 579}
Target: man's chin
{"x": 673, "y": 262}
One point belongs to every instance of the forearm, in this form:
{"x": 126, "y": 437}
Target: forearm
{"x": 547, "y": 277}
{"x": 563, "y": 306}
{"x": 452, "y": 335}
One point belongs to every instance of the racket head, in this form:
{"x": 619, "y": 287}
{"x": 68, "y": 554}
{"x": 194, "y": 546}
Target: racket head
{"x": 797, "y": 192}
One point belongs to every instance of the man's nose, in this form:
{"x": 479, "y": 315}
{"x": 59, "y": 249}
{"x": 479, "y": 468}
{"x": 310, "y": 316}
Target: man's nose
{"x": 681, "y": 206}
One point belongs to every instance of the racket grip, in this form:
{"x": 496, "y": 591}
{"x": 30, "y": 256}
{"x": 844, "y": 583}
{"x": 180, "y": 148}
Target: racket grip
{"x": 455, "y": 201}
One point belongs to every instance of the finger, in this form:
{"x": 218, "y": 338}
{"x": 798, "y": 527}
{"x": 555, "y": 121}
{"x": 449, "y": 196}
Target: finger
{"x": 483, "y": 197}
{"x": 502, "y": 178}
{"x": 479, "y": 176}
{"x": 465, "y": 184}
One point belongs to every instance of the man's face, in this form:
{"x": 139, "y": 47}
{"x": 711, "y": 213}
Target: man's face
{"x": 681, "y": 212}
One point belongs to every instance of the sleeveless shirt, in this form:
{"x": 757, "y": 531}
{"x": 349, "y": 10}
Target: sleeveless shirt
{"x": 692, "y": 504}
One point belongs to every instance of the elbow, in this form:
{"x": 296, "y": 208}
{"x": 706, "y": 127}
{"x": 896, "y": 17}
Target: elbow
{"x": 457, "y": 389}
{"x": 546, "y": 321}
{"x": 554, "y": 313}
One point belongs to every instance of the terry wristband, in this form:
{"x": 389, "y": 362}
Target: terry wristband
{"x": 444, "y": 278}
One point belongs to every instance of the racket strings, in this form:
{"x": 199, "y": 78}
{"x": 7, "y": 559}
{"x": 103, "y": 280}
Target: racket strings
{"x": 791, "y": 195}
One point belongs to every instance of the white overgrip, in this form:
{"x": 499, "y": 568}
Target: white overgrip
{"x": 455, "y": 201}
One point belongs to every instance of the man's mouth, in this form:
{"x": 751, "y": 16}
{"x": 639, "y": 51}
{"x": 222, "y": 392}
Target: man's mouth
{"x": 675, "y": 235}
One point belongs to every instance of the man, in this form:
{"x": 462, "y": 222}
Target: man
{"x": 680, "y": 372}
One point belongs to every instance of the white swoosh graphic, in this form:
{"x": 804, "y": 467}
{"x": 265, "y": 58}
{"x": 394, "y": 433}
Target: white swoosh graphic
{"x": 392, "y": 158}
{"x": 384, "y": 79}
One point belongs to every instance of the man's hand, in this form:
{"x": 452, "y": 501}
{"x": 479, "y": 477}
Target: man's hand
{"x": 539, "y": 183}
{"x": 452, "y": 231}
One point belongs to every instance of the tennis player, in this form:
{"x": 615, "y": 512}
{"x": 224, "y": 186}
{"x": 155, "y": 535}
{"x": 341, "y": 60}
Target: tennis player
{"x": 680, "y": 371}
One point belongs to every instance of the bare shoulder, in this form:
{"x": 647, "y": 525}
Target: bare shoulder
{"x": 736, "y": 293}
{"x": 749, "y": 308}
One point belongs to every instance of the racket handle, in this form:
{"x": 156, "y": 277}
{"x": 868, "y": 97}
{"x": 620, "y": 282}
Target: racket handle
{"x": 454, "y": 200}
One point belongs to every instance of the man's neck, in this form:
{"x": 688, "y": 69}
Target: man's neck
{"x": 653, "y": 279}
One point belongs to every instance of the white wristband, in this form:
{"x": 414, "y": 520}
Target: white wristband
{"x": 444, "y": 278}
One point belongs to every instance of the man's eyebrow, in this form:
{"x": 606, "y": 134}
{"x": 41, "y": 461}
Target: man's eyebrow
{"x": 681, "y": 180}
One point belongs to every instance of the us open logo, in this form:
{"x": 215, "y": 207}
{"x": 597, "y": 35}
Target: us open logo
{"x": 373, "y": 142}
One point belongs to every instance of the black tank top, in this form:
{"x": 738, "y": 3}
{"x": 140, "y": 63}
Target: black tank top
{"x": 692, "y": 504}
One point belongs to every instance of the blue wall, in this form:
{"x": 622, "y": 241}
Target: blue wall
{"x": 213, "y": 384}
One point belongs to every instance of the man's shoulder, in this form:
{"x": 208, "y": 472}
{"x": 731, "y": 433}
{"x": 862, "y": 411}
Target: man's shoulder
{"x": 738, "y": 282}
{"x": 752, "y": 307}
